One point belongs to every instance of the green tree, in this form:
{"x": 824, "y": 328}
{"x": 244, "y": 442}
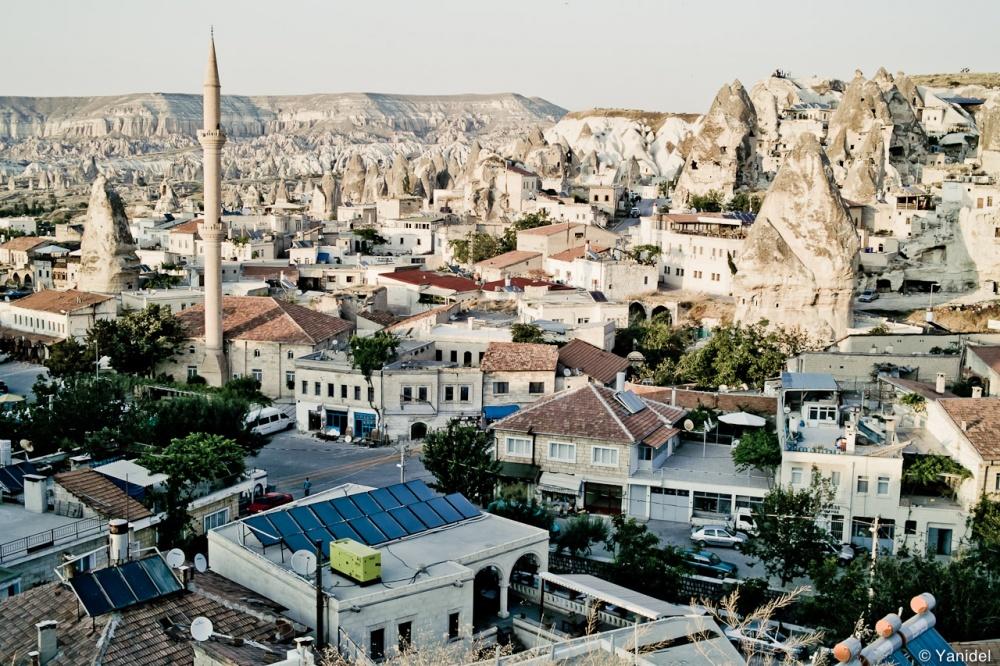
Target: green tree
{"x": 645, "y": 254}
{"x": 758, "y": 449}
{"x": 933, "y": 474}
{"x": 580, "y": 533}
{"x": 245, "y": 389}
{"x": 69, "y": 357}
{"x": 196, "y": 461}
{"x": 371, "y": 353}
{"x": 710, "y": 202}
{"x": 639, "y": 557}
{"x": 139, "y": 340}
{"x": 984, "y": 532}
{"x": 475, "y": 247}
{"x": 530, "y": 512}
{"x": 788, "y": 528}
{"x": 459, "y": 456}
{"x": 223, "y": 416}
{"x": 743, "y": 202}
{"x": 370, "y": 237}
{"x": 527, "y": 333}
{"x": 508, "y": 241}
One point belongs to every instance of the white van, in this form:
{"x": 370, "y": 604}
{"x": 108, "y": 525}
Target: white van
{"x": 268, "y": 420}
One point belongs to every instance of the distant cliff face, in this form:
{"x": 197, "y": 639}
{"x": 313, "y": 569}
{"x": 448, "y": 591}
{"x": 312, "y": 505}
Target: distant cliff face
{"x": 157, "y": 115}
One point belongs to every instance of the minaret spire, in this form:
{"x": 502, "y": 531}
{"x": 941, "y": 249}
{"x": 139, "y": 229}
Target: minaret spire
{"x": 212, "y": 138}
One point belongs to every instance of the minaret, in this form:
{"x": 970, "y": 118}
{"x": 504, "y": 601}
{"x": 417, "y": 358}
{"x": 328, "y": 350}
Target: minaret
{"x": 212, "y": 138}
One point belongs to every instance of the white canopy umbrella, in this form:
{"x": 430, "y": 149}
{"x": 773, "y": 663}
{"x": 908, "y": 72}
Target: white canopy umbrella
{"x": 743, "y": 419}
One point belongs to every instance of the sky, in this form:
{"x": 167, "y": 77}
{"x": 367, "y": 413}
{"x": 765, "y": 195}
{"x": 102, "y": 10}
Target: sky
{"x": 656, "y": 55}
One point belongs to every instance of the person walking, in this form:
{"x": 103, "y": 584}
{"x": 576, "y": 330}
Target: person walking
{"x": 306, "y": 487}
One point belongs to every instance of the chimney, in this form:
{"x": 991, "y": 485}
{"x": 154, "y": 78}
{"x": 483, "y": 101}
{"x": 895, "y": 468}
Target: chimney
{"x": 118, "y": 541}
{"x": 964, "y": 425}
{"x": 506, "y": 281}
{"x": 673, "y": 396}
{"x": 69, "y": 565}
{"x": 304, "y": 649}
{"x": 977, "y": 391}
{"x": 620, "y": 382}
{"x": 80, "y": 462}
{"x": 5, "y": 456}
{"x": 185, "y": 572}
{"x": 35, "y": 497}
{"x": 939, "y": 384}
{"x": 890, "y": 429}
{"x": 48, "y": 641}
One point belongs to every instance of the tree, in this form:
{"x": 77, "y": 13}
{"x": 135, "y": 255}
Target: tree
{"x": 139, "y": 340}
{"x": 69, "y": 357}
{"x": 758, "y": 449}
{"x": 711, "y": 202}
{"x": 933, "y": 474}
{"x": 744, "y": 203}
{"x": 370, "y": 237}
{"x": 475, "y": 247}
{"x": 196, "y": 460}
{"x": 246, "y": 389}
{"x": 655, "y": 339}
{"x": 527, "y": 333}
{"x": 459, "y": 456}
{"x": 160, "y": 280}
{"x": 984, "y": 532}
{"x": 220, "y": 415}
{"x": 534, "y": 220}
{"x": 639, "y": 557}
{"x": 580, "y": 533}
{"x": 369, "y": 354}
{"x": 529, "y": 512}
{"x": 645, "y": 254}
{"x": 788, "y": 528}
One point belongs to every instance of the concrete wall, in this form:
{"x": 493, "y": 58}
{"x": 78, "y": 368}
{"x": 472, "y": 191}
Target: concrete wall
{"x": 910, "y": 343}
{"x": 517, "y": 385}
{"x": 859, "y": 365}
{"x": 726, "y": 402}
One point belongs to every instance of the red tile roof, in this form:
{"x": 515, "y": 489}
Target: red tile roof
{"x": 519, "y": 357}
{"x": 189, "y": 227}
{"x": 990, "y": 355}
{"x": 577, "y": 252}
{"x": 264, "y": 272}
{"x": 266, "y": 319}
{"x": 593, "y": 411}
{"x": 98, "y": 492}
{"x": 455, "y": 283}
{"x": 580, "y": 355}
{"x": 550, "y": 229}
{"x": 522, "y": 282}
{"x": 54, "y": 301}
{"x": 23, "y": 243}
{"x": 508, "y": 259}
{"x": 520, "y": 170}
{"x": 981, "y": 417}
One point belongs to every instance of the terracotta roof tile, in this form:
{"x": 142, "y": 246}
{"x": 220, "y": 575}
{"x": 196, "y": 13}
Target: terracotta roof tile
{"x": 550, "y": 229}
{"x": 264, "y": 272}
{"x": 519, "y": 356}
{"x": 24, "y": 243}
{"x": 577, "y": 252}
{"x": 101, "y": 494}
{"x": 981, "y": 417}
{"x": 77, "y": 643}
{"x": 54, "y": 301}
{"x": 380, "y": 317}
{"x": 507, "y": 259}
{"x": 990, "y": 355}
{"x": 580, "y": 355}
{"x": 267, "y": 319}
{"x": 431, "y": 279}
{"x": 522, "y": 282}
{"x": 593, "y": 411}
{"x": 189, "y": 227}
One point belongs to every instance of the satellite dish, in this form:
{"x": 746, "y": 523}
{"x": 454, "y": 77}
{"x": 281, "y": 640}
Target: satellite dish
{"x": 200, "y": 563}
{"x": 201, "y": 629}
{"x": 567, "y": 372}
{"x": 723, "y": 388}
{"x": 27, "y": 445}
{"x": 175, "y": 558}
{"x": 303, "y": 562}
{"x": 688, "y": 425}
{"x": 348, "y": 438}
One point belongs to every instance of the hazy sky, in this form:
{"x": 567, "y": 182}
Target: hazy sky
{"x": 669, "y": 55}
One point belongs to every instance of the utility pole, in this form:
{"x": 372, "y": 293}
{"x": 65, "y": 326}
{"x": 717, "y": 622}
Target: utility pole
{"x": 402, "y": 462}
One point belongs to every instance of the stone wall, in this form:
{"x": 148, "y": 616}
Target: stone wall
{"x": 725, "y": 402}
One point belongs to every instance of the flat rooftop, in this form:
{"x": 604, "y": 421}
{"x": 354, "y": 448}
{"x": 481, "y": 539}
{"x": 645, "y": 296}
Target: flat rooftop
{"x": 713, "y": 466}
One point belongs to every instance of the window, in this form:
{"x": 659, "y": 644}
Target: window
{"x": 422, "y": 394}
{"x": 796, "y": 475}
{"x": 405, "y": 632}
{"x": 452, "y": 626}
{"x": 938, "y": 541}
{"x": 464, "y": 393}
{"x": 562, "y": 451}
{"x": 377, "y": 644}
{"x": 835, "y": 479}
{"x": 407, "y": 394}
{"x": 258, "y": 376}
{"x": 604, "y": 456}
{"x": 910, "y": 528}
{"x": 454, "y": 356}
{"x": 331, "y": 390}
{"x": 883, "y": 485}
{"x": 449, "y": 393}
{"x": 371, "y": 394}
{"x": 500, "y": 388}
{"x": 862, "y": 485}
{"x": 712, "y": 502}
{"x": 317, "y": 388}
{"x": 517, "y": 446}
{"x": 645, "y": 452}
{"x": 213, "y": 520}
{"x": 837, "y": 526}
{"x": 305, "y": 387}
{"x": 357, "y": 393}
{"x": 192, "y": 371}
{"x": 823, "y": 414}
{"x": 536, "y": 387}
{"x": 437, "y": 355}
{"x": 256, "y": 353}
{"x": 343, "y": 391}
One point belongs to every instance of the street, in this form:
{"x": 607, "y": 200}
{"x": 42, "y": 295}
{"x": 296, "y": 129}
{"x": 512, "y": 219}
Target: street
{"x": 289, "y": 457}
{"x": 20, "y": 376}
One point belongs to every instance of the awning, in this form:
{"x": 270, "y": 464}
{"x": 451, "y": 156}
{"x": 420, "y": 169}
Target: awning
{"x": 560, "y": 483}
{"x": 322, "y": 257}
{"x": 496, "y": 412}
{"x": 743, "y": 419}
{"x": 635, "y": 602}
{"x": 515, "y": 470}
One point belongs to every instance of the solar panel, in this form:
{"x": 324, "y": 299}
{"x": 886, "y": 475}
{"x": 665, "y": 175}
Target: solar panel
{"x": 321, "y": 534}
{"x": 139, "y": 581}
{"x": 345, "y": 531}
{"x": 367, "y": 505}
{"x": 385, "y": 498}
{"x": 387, "y": 525}
{"x": 9, "y": 482}
{"x": 632, "y": 403}
{"x": 462, "y": 505}
{"x": 284, "y": 523}
{"x": 298, "y": 542}
{"x": 403, "y": 494}
{"x": 114, "y": 586}
{"x": 327, "y": 514}
{"x": 346, "y": 508}
{"x": 263, "y": 530}
{"x": 306, "y": 519}
{"x": 160, "y": 573}
{"x": 90, "y": 595}
{"x": 407, "y": 520}
{"x": 427, "y": 515}
{"x": 445, "y": 510}
{"x": 420, "y": 489}
{"x": 366, "y": 528}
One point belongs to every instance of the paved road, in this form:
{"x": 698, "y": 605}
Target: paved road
{"x": 20, "y": 377}
{"x": 289, "y": 457}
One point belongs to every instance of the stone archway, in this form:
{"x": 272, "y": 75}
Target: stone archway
{"x": 663, "y": 313}
{"x": 488, "y": 602}
{"x": 524, "y": 575}
{"x": 418, "y": 430}
{"x": 636, "y": 312}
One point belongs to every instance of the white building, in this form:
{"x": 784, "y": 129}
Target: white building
{"x": 56, "y": 315}
{"x": 519, "y": 185}
{"x": 597, "y": 268}
{"x": 698, "y": 252}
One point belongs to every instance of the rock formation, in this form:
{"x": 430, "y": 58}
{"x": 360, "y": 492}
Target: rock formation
{"x": 108, "y": 262}
{"x": 168, "y": 201}
{"x": 331, "y": 191}
{"x": 799, "y": 261}
{"x": 722, "y": 154}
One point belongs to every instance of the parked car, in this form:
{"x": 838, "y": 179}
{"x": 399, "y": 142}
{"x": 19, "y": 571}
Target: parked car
{"x": 268, "y": 420}
{"x": 718, "y": 535}
{"x": 268, "y": 501}
{"x": 705, "y": 563}
{"x": 868, "y": 295}
{"x": 764, "y": 638}
{"x": 742, "y": 521}
{"x": 844, "y": 552}
{"x": 634, "y": 212}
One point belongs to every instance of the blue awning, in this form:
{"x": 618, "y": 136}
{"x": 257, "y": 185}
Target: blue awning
{"x": 322, "y": 257}
{"x": 496, "y": 412}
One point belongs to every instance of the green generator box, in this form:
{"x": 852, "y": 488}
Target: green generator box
{"x": 356, "y": 561}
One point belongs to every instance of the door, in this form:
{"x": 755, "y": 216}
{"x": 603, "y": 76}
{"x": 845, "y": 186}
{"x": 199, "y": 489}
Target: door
{"x": 669, "y": 504}
{"x": 637, "y": 501}
{"x": 602, "y": 498}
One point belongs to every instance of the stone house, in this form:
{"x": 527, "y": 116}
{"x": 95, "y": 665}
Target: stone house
{"x": 45, "y": 317}
{"x": 513, "y": 263}
{"x": 519, "y": 184}
{"x": 554, "y": 238}
{"x": 596, "y": 268}
{"x": 518, "y": 373}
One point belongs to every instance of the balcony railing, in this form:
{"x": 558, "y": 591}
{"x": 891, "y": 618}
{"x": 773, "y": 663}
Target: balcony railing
{"x": 18, "y": 548}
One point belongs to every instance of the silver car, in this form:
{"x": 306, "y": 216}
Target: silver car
{"x": 717, "y": 535}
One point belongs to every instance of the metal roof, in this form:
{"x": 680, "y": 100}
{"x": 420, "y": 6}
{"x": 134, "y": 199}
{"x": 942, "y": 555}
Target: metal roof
{"x": 808, "y": 381}
{"x": 630, "y": 600}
